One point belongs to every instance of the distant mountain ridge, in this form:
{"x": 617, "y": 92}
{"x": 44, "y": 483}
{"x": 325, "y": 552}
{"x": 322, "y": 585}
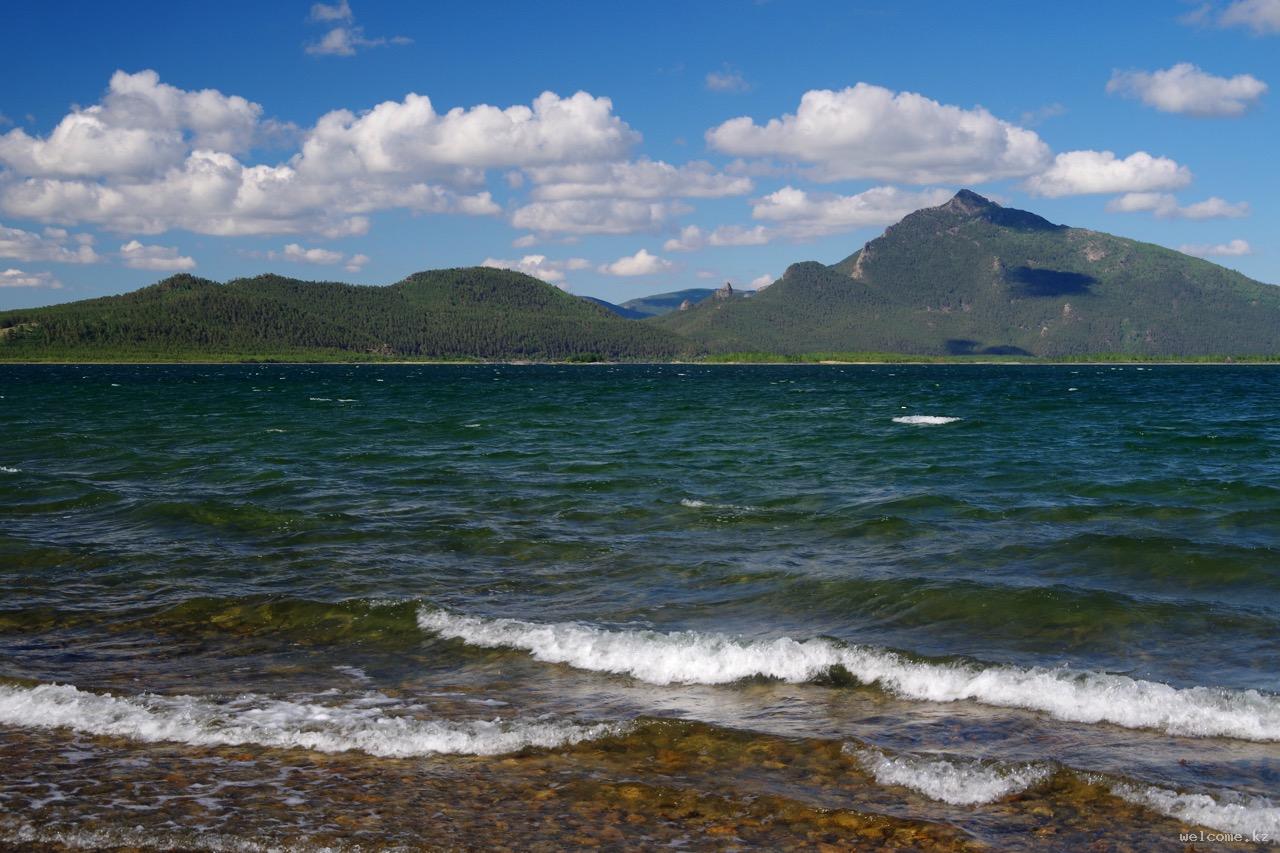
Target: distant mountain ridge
{"x": 971, "y": 277}
{"x": 968, "y": 277}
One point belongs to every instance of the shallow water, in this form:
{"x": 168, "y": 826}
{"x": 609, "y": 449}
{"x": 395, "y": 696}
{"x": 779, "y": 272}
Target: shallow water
{"x": 1028, "y": 607}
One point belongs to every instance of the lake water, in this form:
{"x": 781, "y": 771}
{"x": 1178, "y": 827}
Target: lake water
{"x": 546, "y": 607}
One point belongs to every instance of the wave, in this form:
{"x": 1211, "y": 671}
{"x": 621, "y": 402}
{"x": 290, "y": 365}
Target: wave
{"x": 1250, "y": 816}
{"x": 5, "y": 469}
{"x": 363, "y": 725}
{"x": 924, "y": 420}
{"x": 696, "y": 658}
{"x": 960, "y": 782}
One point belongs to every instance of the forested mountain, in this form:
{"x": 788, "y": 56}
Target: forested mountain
{"x": 972, "y": 277}
{"x": 470, "y": 312}
{"x": 966, "y": 278}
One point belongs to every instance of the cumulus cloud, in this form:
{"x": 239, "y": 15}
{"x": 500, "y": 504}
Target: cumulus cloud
{"x": 871, "y": 132}
{"x": 410, "y": 138}
{"x": 141, "y": 127}
{"x": 641, "y": 263}
{"x": 137, "y": 256}
{"x": 540, "y": 266}
{"x": 692, "y": 238}
{"x": 802, "y": 214}
{"x": 19, "y": 278}
{"x": 1233, "y": 249}
{"x": 52, "y": 244}
{"x": 1091, "y": 172}
{"x": 1165, "y": 206}
{"x": 727, "y": 79}
{"x": 596, "y": 216}
{"x": 761, "y": 282}
{"x": 1186, "y": 89}
{"x": 635, "y": 179}
{"x": 151, "y": 158}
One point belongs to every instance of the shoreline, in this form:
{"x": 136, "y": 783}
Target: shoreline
{"x": 524, "y": 363}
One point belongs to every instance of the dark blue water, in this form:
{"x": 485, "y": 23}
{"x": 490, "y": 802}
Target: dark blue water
{"x": 1022, "y": 572}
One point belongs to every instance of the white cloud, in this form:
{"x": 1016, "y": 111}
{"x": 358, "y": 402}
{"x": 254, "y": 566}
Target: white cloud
{"x": 1261, "y": 16}
{"x": 345, "y": 38}
{"x": 1091, "y": 172}
{"x": 299, "y": 254}
{"x": 727, "y": 79}
{"x": 152, "y": 158}
{"x": 596, "y": 216}
{"x": 410, "y": 138}
{"x": 541, "y": 267}
{"x": 141, "y": 127}
{"x": 692, "y": 238}
{"x": 761, "y": 282}
{"x": 1233, "y": 249}
{"x": 19, "y": 278}
{"x": 871, "y": 132}
{"x": 296, "y": 253}
{"x": 1184, "y": 88}
{"x": 1165, "y": 206}
{"x": 802, "y": 214}
{"x": 139, "y": 257}
{"x": 340, "y": 11}
{"x": 635, "y": 179}
{"x": 524, "y": 241}
{"x": 641, "y": 263}
{"x": 346, "y": 41}
{"x": 53, "y": 244}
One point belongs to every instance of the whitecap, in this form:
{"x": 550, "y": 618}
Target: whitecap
{"x": 693, "y": 503}
{"x": 320, "y": 399}
{"x": 5, "y": 469}
{"x": 960, "y": 782}
{"x": 1228, "y": 812}
{"x": 924, "y": 420}
{"x": 690, "y": 657}
{"x": 279, "y": 723}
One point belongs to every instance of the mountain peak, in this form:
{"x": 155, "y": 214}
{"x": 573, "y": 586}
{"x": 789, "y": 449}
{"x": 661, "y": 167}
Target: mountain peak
{"x": 969, "y": 203}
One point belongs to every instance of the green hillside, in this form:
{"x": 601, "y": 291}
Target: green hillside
{"x": 972, "y": 277}
{"x": 473, "y": 312}
{"x": 662, "y": 303}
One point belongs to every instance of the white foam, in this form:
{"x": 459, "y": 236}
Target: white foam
{"x": 1228, "y": 812}
{"x": 5, "y": 469}
{"x": 149, "y": 839}
{"x": 924, "y": 420}
{"x": 690, "y": 657}
{"x": 961, "y": 782}
{"x": 693, "y": 503}
{"x": 320, "y": 399}
{"x": 357, "y": 726}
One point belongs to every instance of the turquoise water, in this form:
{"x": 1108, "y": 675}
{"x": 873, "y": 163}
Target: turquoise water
{"x": 1063, "y": 577}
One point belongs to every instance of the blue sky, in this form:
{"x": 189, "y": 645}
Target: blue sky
{"x": 617, "y": 150}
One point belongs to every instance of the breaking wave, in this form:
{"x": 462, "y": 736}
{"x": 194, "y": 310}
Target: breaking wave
{"x": 691, "y": 657}
{"x": 1234, "y": 813}
{"x": 363, "y": 725}
{"x": 961, "y": 782}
